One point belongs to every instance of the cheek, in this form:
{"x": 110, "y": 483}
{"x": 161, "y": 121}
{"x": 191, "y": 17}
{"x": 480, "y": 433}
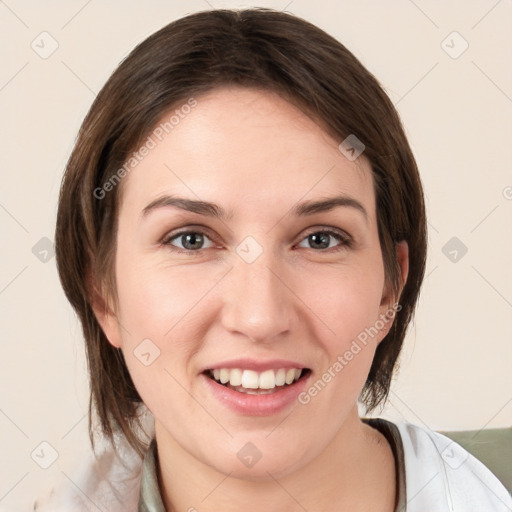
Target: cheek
{"x": 156, "y": 299}
{"x": 162, "y": 310}
{"x": 158, "y": 308}
{"x": 345, "y": 300}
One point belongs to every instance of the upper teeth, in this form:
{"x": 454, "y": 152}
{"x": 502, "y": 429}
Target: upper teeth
{"x": 251, "y": 379}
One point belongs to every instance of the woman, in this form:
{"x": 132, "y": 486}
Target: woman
{"x": 241, "y": 230}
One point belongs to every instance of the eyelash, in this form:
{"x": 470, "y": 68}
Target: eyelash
{"x": 345, "y": 239}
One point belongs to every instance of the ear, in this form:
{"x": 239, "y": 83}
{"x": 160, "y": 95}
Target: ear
{"x": 388, "y": 305}
{"x": 104, "y": 311}
{"x": 402, "y": 255}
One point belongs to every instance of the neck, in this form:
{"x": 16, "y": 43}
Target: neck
{"x": 356, "y": 472}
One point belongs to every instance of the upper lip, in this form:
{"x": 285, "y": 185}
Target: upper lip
{"x": 257, "y": 364}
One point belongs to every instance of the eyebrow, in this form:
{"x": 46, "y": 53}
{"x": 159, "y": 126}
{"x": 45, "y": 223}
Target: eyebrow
{"x": 213, "y": 210}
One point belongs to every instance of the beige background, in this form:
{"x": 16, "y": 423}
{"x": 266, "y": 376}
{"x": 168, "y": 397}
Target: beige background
{"x": 456, "y": 369}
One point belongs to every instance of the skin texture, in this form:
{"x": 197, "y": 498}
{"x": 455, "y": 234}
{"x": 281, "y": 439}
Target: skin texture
{"x": 257, "y": 156}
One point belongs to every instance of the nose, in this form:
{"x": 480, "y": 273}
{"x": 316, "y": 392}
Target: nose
{"x": 257, "y": 300}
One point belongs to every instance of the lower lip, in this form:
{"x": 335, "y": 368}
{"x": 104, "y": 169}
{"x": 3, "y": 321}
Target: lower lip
{"x": 256, "y": 405}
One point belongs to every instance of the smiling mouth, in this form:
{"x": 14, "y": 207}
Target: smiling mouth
{"x": 257, "y": 383}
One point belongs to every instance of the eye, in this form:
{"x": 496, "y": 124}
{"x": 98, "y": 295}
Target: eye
{"x": 191, "y": 241}
{"x": 322, "y": 239}
{"x": 194, "y": 241}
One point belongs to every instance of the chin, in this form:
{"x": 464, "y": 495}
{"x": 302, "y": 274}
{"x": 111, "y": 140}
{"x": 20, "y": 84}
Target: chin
{"x": 259, "y": 461}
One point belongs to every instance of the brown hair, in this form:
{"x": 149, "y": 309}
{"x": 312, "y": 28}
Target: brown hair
{"x": 259, "y": 48}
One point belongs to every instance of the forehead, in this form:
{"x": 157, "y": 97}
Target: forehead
{"x": 245, "y": 146}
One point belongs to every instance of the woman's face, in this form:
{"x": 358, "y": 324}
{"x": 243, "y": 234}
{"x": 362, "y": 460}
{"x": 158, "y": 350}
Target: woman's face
{"x": 257, "y": 290}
